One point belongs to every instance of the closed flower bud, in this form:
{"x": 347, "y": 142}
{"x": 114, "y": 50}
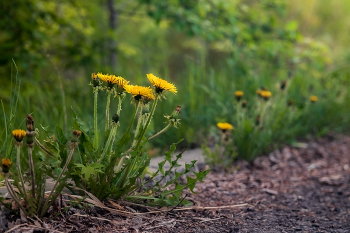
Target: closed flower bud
{"x": 257, "y": 120}
{"x": 95, "y": 80}
{"x": 76, "y": 135}
{"x": 283, "y": 84}
{"x": 244, "y": 104}
{"x": 30, "y": 123}
{"x": 5, "y": 165}
{"x": 115, "y": 118}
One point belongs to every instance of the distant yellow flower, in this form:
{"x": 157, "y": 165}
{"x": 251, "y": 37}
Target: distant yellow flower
{"x": 265, "y": 94}
{"x": 5, "y": 164}
{"x": 139, "y": 92}
{"x": 239, "y": 95}
{"x": 18, "y": 134}
{"x": 224, "y": 126}
{"x": 161, "y": 85}
{"x": 313, "y": 99}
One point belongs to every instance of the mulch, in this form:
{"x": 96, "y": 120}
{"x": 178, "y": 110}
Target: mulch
{"x": 290, "y": 190}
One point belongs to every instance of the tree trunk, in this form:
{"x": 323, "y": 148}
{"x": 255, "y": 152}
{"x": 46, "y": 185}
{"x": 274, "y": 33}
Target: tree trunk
{"x": 113, "y": 21}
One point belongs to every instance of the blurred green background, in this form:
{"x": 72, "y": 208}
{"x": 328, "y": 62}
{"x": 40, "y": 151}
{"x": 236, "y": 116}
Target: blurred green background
{"x": 207, "y": 48}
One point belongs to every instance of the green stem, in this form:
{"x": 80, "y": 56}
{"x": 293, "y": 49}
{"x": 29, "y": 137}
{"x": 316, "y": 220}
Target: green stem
{"x": 128, "y": 131}
{"x": 95, "y": 110}
{"x": 160, "y": 132}
{"x": 12, "y": 193}
{"x": 20, "y": 172}
{"x": 118, "y": 112}
{"x": 57, "y": 182}
{"x": 147, "y": 123}
{"x": 31, "y": 164}
{"x": 108, "y": 143}
{"x": 107, "y": 108}
{"x": 119, "y": 105}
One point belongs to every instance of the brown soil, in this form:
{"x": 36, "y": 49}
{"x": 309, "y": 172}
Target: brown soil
{"x": 290, "y": 190}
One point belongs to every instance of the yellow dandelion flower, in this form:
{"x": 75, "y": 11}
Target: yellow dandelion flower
{"x": 313, "y": 99}
{"x": 239, "y": 95}
{"x": 18, "y": 134}
{"x": 139, "y": 92}
{"x": 5, "y": 164}
{"x": 265, "y": 94}
{"x": 111, "y": 79}
{"x": 224, "y": 126}
{"x": 121, "y": 83}
{"x": 161, "y": 85}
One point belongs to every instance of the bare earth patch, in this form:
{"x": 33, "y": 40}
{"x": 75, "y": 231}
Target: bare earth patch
{"x": 290, "y": 190}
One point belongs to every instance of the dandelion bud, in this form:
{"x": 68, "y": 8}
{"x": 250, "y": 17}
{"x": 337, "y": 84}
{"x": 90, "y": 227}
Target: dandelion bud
{"x": 239, "y": 95}
{"x": 257, "y": 120}
{"x": 76, "y": 135}
{"x": 283, "y": 84}
{"x": 115, "y": 118}
{"x": 178, "y": 109}
{"x": 30, "y": 138}
{"x": 95, "y": 80}
{"x": 30, "y": 123}
{"x": 5, "y": 165}
{"x": 290, "y": 103}
{"x": 244, "y": 104}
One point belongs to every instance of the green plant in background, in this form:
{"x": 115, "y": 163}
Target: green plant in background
{"x": 223, "y": 153}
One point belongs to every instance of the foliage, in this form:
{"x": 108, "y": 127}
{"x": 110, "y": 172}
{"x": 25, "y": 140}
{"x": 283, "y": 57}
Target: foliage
{"x": 103, "y": 168}
{"x": 210, "y": 48}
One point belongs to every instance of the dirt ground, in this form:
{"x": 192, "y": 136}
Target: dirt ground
{"x": 290, "y": 190}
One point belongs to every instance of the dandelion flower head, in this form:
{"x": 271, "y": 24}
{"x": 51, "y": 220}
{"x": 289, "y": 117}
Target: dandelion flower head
{"x": 161, "y": 85}
{"x": 18, "y": 134}
{"x": 313, "y": 98}
{"x": 139, "y": 92}
{"x": 224, "y": 126}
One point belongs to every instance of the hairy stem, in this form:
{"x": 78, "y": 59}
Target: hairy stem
{"x": 107, "y": 108}
{"x": 46, "y": 206}
{"x": 20, "y": 172}
{"x": 160, "y": 132}
{"x": 95, "y": 109}
{"x": 13, "y": 195}
{"x": 31, "y": 164}
{"x": 147, "y": 123}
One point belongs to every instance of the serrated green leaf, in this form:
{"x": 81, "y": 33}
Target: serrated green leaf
{"x": 96, "y": 165}
{"x": 191, "y": 183}
{"x": 61, "y": 138}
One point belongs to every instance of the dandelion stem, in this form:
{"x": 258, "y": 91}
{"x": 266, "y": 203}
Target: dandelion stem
{"x": 120, "y": 163}
{"x": 108, "y": 143}
{"x": 12, "y": 193}
{"x": 57, "y": 181}
{"x": 148, "y": 121}
{"x": 20, "y": 172}
{"x": 160, "y": 132}
{"x": 95, "y": 110}
{"x": 107, "y": 108}
{"x": 31, "y": 164}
